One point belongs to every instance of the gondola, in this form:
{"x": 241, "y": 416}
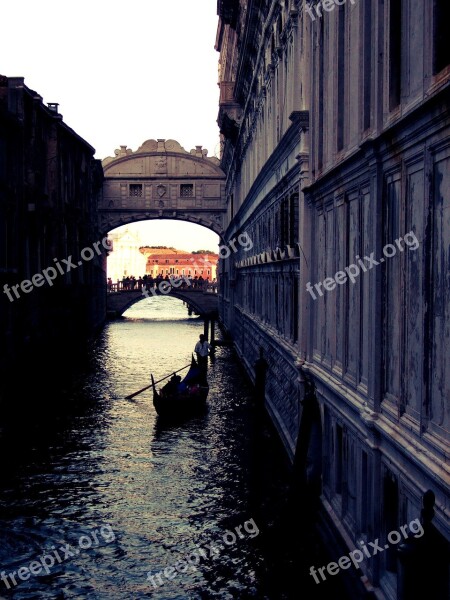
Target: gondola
{"x": 181, "y": 398}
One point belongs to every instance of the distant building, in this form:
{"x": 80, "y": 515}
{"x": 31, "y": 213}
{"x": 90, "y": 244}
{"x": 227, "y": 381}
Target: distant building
{"x": 125, "y": 260}
{"x": 169, "y": 261}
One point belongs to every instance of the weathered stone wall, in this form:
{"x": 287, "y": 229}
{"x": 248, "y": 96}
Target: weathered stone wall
{"x": 49, "y": 189}
{"x": 367, "y": 165}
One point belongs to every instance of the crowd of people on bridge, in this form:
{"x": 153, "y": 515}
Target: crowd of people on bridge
{"x": 149, "y": 282}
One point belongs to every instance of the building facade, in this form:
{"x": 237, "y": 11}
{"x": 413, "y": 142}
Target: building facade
{"x": 170, "y": 261}
{"x": 263, "y": 123}
{"x": 125, "y": 258}
{"x": 336, "y": 147}
{"x": 49, "y": 187}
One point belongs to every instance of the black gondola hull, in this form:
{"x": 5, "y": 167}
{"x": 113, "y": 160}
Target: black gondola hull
{"x": 188, "y": 398}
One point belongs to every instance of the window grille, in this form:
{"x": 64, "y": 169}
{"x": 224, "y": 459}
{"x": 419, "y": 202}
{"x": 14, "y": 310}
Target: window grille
{"x": 136, "y": 190}
{"x": 186, "y": 190}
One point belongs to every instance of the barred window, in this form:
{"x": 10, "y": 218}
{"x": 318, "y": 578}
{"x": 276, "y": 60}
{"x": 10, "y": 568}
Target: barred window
{"x": 136, "y": 190}
{"x": 186, "y": 190}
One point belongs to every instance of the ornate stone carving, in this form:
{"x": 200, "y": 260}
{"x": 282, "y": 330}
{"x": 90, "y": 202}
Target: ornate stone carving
{"x": 161, "y": 190}
{"x": 148, "y": 146}
{"x": 161, "y": 164}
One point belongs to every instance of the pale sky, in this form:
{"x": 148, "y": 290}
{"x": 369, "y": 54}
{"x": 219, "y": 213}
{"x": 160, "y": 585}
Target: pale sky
{"x": 122, "y": 73}
{"x": 178, "y": 234}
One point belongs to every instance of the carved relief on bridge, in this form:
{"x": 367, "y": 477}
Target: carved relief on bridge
{"x": 162, "y": 180}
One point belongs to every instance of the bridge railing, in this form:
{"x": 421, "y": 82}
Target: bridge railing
{"x": 137, "y": 285}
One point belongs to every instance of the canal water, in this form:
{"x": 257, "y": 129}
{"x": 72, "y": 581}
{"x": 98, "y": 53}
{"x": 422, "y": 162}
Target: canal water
{"x": 99, "y": 500}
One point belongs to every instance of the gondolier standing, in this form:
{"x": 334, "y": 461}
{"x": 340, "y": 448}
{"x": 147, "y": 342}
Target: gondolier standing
{"x": 202, "y": 348}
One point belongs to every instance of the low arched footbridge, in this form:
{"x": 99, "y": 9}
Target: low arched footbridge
{"x": 202, "y": 302}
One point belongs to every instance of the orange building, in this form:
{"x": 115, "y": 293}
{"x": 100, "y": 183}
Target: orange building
{"x": 169, "y": 261}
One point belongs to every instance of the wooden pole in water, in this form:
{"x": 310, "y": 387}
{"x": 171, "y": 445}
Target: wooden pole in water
{"x": 212, "y": 336}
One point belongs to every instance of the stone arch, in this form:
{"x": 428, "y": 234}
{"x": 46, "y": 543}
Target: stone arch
{"x": 161, "y": 180}
{"x": 107, "y": 225}
{"x": 202, "y": 304}
{"x": 131, "y": 301}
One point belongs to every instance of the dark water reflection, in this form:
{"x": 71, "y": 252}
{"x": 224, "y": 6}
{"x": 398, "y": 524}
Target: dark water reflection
{"x": 94, "y": 460}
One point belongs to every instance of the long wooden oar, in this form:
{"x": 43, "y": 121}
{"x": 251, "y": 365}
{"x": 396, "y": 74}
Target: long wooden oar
{"x": 148, "y": 386}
